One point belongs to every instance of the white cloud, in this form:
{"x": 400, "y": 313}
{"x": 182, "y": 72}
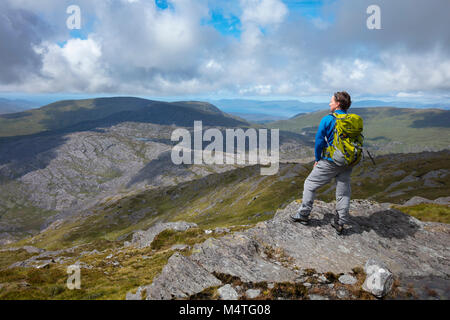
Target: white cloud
{"x": 409, "y": 95}
{"x": 136, "y": 48}
{"x": 76, "y": 65}
{"x": 263, "y": 12}
{"x": 398, "y": 71}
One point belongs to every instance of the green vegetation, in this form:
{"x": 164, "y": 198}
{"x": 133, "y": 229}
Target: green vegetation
{"x": 24, "y": 219}
{"x": 88, "y": 113}
{"x": 387, "y": 129}
{"x": 168, "y": 238}
{"x": 428, "y": 212}
{"x": 374, "y": 182}
{"x": 110, "y": 274}
{"x": 233, "y": 198}
{"x": 9, "y": 257}
{"x": 236, "y": 199}
{"x": 243, "y": 197}
{"x": 103, "y": 281}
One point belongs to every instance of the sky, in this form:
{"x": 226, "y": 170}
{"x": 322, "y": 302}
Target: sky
{"x": 215, "y": 49}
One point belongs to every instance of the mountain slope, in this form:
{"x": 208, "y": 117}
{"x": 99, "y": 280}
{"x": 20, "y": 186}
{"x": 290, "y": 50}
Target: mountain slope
{"x": 243, "y": 196}
{"x": 12, "y": 106}
{"x": 237, "y": 200}
{"x": 124, "y": 147}
{"x": 279, "y": 258}
{"x": 90, "y": 113}
{"x": 387, "y": 129}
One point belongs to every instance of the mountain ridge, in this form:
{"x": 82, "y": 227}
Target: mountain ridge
{"x": 386, "y": 129}
{"x": 89, "y": 113}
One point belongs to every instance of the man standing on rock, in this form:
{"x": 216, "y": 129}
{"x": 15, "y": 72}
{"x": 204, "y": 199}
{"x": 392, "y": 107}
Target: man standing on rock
{"x": 326, "y": 167}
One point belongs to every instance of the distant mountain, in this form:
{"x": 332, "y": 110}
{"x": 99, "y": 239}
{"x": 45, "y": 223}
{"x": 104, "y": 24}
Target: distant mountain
{"x": 400, "y": 104}
{"x": 291, "y": 108}
{"x": 12, "y": 106}
{"x": 297, "y": 115}
{"x": 258, "y": 117}
{"x": 386, "y": 129}
{"x": 75, "y": 115}
{"x": 283, "y": 108}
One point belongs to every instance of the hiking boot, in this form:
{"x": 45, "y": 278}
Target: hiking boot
{"x": 299, "y": 218}
{"x": 336, "y": 225}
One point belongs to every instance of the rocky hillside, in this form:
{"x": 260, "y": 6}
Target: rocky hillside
{"x": 237, "y": 196}
{"x": 70, "y": 163}
{"x": 273, "y": 259}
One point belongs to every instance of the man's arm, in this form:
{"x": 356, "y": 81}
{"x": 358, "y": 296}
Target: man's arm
{"x": 320, "y": 138}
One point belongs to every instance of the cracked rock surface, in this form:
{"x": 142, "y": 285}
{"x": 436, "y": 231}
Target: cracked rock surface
{"x": 278, "y": 249}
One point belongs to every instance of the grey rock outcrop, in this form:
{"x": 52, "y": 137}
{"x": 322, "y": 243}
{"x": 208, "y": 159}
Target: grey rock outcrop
{"x": 179, "y": 246}
{"x": 347, "y": 279}
{"x": 442, "y": 200}
{"x": 419, "y": 200}
{"x": 180, "y": 278}
{"x": 276, "y": 250}
{"x": 28, "y": 249}
{"x": 42, "y": 258}
{"x": 239, "y": 255}
{"x": 379, "y": 279}
{"x": 407, "y": 245}
{"x": 317, "y": 297}
{"x": 227, "y": 292}
{"x": 71, "y": 170}
{"x": 142, "y": 239}
{"x": 342, "y": 294}
{"x": 252, "y": 293}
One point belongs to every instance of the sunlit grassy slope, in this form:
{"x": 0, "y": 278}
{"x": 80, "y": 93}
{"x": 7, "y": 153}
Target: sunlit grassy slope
{"x": 91, "y": 112}
{"x": 387, "y": 129}
{"x": 236, "y": 199}
{"x": 243, "y": 196}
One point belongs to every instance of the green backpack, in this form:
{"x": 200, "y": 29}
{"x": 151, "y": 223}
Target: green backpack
{"x": 347, "y": 147}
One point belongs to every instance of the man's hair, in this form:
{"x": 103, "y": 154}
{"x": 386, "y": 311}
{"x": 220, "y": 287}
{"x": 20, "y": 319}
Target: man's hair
{"x": 344, "y": 100}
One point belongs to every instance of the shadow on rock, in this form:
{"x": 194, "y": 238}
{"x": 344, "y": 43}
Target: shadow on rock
{"x": 386, "y": 223}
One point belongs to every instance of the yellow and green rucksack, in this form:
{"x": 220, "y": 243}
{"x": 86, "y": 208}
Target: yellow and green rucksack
{"x": 347, "y": 147}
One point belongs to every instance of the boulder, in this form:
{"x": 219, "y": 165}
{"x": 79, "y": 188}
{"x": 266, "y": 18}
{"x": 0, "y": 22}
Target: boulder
{"x": 179, "y": 246}
{"x": 252, "y": 293}
{"x": 142, "y": 239}
{"x": 347, "y": 279}
{"x": 342, "y": 294}
{"x": 379, "y": 279}
{"x": 227, "y": 292}
{"x": 317, "y": 297}
{"x": 416, "y": 200}
{"x": 442, "y": 200}
{"x": 180, "y": 278}
{"x": 31, "y": 249}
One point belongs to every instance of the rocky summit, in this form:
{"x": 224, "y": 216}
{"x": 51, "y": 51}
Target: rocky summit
{"x": 280, "y": 252}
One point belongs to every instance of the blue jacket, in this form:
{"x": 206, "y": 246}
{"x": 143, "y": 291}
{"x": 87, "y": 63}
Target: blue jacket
{"x": 326, "y": 128}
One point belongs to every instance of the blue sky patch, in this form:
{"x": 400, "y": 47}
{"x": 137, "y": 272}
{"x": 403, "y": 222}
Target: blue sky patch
{"x": 163, "y": 4}
{"x": 226, "y": 25}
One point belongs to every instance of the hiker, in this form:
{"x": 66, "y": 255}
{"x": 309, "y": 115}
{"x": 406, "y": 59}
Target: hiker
{"x": 331, "y": 163}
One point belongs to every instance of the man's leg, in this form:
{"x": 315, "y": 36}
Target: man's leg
{"x": 343, "y": 192}
{"x": 322, "y": 174}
